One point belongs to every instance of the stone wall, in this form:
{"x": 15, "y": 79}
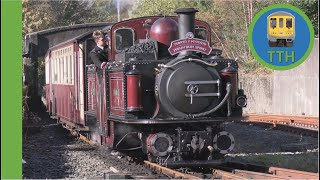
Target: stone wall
{"x": 291, "y": 92}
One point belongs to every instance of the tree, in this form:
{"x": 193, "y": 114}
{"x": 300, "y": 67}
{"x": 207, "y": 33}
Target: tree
{"x": 35, "y": 16}
{"x": 157, "y": 7}
{"x": 103, "y": 10}
{"x": 310, "y": 8}
{"x": 45, "y": 14}
{"x": 66, "y": 12}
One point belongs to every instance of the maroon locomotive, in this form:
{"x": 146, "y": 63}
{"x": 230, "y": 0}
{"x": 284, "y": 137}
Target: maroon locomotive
{"x": 165, "y": 91}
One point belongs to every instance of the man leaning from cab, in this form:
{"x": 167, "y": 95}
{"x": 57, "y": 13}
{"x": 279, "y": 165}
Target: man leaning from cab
{"x": 99, "y": 54}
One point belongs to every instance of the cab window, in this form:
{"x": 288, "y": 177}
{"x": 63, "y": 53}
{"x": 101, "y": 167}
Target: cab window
{"x": 273, "y": 22}
{"x": 200, "y": 33}
{"x": 124, "y": 38}
{"x": 289, "y": 23}
{"x": 281, "y": 22}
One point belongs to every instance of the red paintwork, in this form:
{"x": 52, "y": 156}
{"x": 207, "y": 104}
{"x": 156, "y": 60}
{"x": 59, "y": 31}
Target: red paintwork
{"x": 165, "y": 30}
{"x": 63, "y": 99}
{"x": 116, "y": 93}
{"x": 134, "y": 99}
{"x": 140, "y": 31}
{"x": 104, "y": 103}
{"x": 77, "y": 85}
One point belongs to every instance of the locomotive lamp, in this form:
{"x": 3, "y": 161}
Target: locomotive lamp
{"x": 134, "y": 91}
{"x": 230, "y": 74}
{"x": 241, "y": 101}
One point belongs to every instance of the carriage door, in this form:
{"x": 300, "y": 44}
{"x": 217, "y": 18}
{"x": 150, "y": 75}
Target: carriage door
{"x": 80, "y": 88}
{"x": 281, "y": 26}
{"x": 90, "y": 85}
{"x": 49, "y": 94}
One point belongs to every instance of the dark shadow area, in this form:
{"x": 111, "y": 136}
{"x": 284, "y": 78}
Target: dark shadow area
{"x": 44, "y": 150}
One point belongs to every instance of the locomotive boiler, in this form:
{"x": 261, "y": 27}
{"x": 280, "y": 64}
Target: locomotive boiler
{"x": 165, "y": 91}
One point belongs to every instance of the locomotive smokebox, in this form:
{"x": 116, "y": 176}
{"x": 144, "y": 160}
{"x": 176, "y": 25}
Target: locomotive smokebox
{"x": 186, "y": 24}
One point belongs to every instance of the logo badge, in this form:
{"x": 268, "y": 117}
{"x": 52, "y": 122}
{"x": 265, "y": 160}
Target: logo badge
{"x": 190, "y": 44}
{"x": 192, "y": 89}
{"x": 281, "y": 37}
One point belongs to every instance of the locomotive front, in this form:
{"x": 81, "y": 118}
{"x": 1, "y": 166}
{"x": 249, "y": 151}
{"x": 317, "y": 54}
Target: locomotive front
{"x": 197, "y": 89}
{"x": 195, "y": 84}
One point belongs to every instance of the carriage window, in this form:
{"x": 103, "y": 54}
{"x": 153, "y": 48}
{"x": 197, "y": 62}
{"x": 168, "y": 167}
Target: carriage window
{"x": 61, "y": 71}
{"x": 55, "y": 70}
{"x": 71, "y": 69}
{"x": 273, "y": 22}
{"x": 66, "y": 64}
{"x": 200, "y": 33}
{"x": 289, "y": 23}
{"x": 124, "y": 38}
{"x": 281, "y": 22}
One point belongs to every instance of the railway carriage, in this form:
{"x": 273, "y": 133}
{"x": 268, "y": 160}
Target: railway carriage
{"x": 165, "y": 91}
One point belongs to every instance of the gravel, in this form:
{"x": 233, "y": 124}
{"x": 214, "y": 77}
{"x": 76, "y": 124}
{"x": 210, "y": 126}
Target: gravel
{"x": 54, "y": 153}
{"x": 254, "y": 139}
{"x": 271, "y": 147}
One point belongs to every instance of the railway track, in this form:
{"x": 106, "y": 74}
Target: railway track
{"x": 308, "y": 126}
{"x": 240, "y": 170}
{"x": 169, "y": 172}
{"x": 236, "y": 170}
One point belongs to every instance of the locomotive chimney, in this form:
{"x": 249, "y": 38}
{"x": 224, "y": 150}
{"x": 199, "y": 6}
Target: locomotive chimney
{"x": 186, "y": 24}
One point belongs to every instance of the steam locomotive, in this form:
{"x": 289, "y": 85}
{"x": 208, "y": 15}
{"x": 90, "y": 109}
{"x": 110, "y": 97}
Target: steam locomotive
{"x": 165, "y": 91}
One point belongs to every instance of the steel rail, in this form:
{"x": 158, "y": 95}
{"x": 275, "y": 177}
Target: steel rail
{"x": 85, "y": 139}
{"x": 304, "y": 121}
{"x": 244, "y": 174}
{"x": 294, "y": 124}
{"x": 290, "y": 173}
{"x": 169, "y": 172}
{"x": 238, "y": 170}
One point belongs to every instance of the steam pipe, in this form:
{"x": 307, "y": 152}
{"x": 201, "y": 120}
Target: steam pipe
{"x": 228, "y": 88}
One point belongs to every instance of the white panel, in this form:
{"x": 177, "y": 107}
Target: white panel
{"x": 71, "y": 69}
{"x": 47, "y": 69}
{"x": 67, "y": 70}
{"x": 81, "y": 73}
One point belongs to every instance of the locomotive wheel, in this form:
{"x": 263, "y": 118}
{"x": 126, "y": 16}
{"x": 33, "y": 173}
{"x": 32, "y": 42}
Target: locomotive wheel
{"x": 272, "y": 44}
{"x": 281, "y": 43}
{"x": 289, "y": 44}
